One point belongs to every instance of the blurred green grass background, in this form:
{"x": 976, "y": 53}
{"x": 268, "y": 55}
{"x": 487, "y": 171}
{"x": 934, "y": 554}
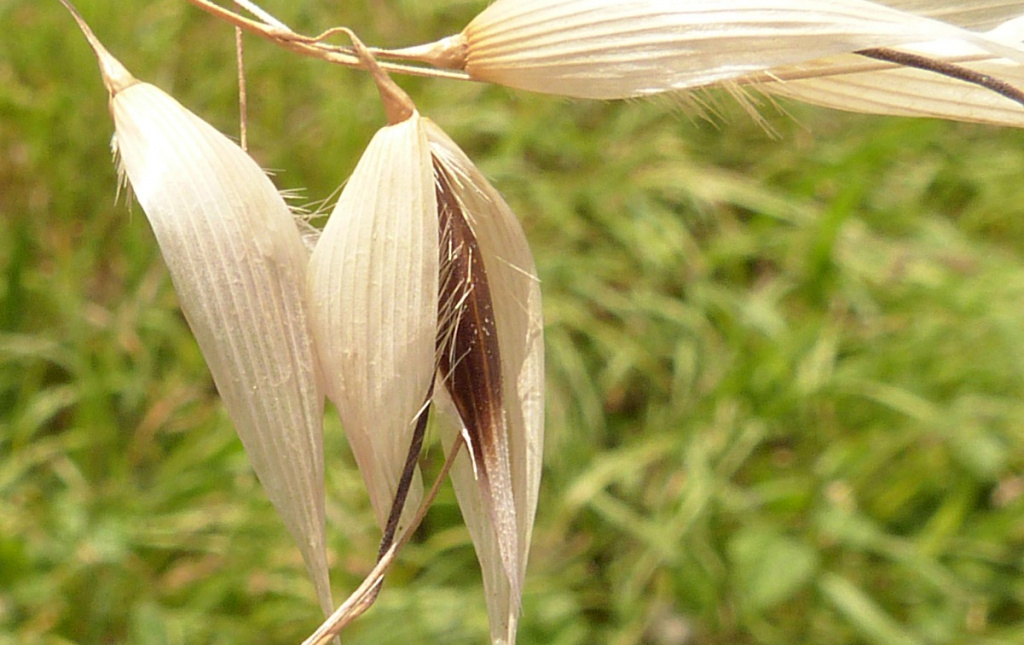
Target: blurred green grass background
{"x": 786, "y": 375}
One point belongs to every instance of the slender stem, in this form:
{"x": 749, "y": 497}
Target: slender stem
{"x": 951, "y": 70}
{"x": 363, "y": 596}
{"x": 312, "y": 47}
{"x": 397, "y": 104}
{"x": 243, "y": 101}
{"x": 255, "y": 10}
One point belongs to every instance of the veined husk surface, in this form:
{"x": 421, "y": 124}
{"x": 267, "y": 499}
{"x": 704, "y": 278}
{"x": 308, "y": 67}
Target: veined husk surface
{"x": 972, "y": 14}
{"x": 380, "y": 320}
{"x": 373, "y": 292}
{"x": 857, "y": 84}
{"x": 238, "y": 266}
{"x": 622, "y": 48}
{"x": 614, "y": 49}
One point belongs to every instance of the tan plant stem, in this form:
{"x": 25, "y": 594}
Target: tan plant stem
{"x": 243, "y": 102}
{"x": 255, "y": 10}
{"x": 397, "y": 104}
{"x": 312, "y": 46}
{"x": 365, "y": 594}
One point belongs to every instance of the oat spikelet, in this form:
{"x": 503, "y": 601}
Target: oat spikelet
{"x": 806, "y": 49}
{"x": 238, "y": 265}
{"x": 422, "y": 286}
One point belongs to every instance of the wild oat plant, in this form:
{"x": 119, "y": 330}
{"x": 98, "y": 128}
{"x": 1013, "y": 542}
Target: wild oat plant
{"x": 418, "y": 306}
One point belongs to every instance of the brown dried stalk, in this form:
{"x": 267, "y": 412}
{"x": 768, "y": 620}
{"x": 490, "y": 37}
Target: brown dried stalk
{"x": 944, "y": 68}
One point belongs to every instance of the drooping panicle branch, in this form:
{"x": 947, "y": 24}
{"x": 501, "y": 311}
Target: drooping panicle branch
{"x": 312, "y": 46}
{"x": 658, "y": 50}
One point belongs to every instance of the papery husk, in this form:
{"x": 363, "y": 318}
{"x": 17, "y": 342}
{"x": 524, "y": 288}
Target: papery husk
{"x": 609, "y": 49}
{"x": 422, "y": 246}
{"x": 612, "y": 49}
{"x": 515, "y": 291}
{"x": 972, "y": 14}
{"x": 373, "y": 291}
{"x": 858, "y": 84}
{"x": 238, "y": 265}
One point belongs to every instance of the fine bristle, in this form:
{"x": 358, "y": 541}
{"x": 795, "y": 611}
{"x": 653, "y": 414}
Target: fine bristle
{"x": 711, "y": 105}
{"x": 123, "y": 185}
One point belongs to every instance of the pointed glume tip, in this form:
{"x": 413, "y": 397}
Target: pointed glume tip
{"x": 115, "y": 76}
